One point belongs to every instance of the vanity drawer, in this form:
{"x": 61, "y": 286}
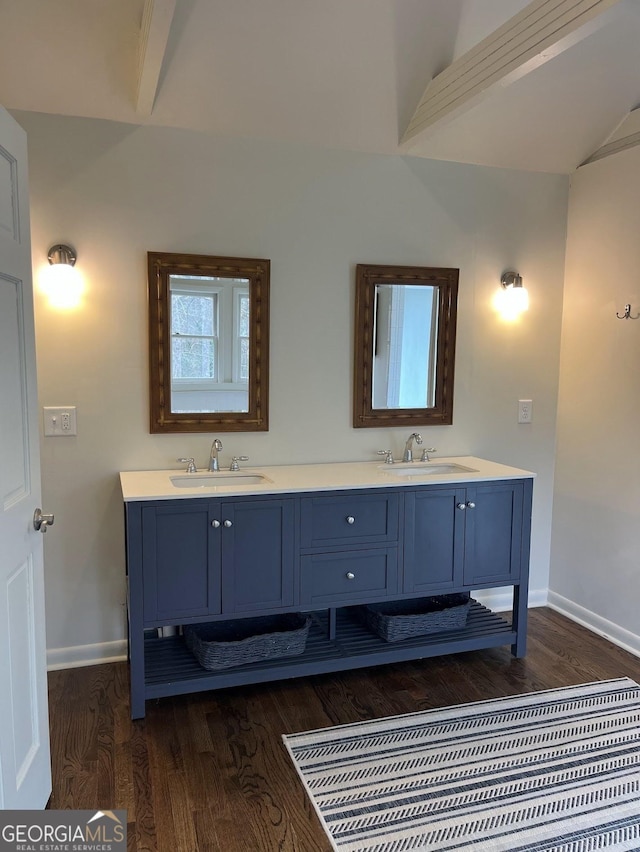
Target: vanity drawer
{"x": 349, "y": 519}
{"x": 348, "y": 577}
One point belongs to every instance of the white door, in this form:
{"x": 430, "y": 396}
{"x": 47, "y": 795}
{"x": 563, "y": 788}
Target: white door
{"x": 25, "y": 771}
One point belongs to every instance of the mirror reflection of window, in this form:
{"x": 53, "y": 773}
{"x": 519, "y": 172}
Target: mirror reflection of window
{"x": 194, "y": 334}
{"x": 404, "y": 346}
{"x": 209, "y": 329}
{"x": 241, "y": 308}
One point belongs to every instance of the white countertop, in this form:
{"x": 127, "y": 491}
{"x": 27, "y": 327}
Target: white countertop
{"x": 336, "y": 476}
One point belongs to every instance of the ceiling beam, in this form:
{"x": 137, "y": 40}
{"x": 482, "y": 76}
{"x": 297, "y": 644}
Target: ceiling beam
{"x": 154, "y": 34}
{"x": 627, "y": 135}
{"x": 541, "y": 31}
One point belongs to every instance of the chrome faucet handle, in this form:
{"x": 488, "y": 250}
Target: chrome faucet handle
{"x": 190, "y": 463}
{"x": 234, "y": 462}
{"x": 388, "y": 454}
{"x": 425, "y": 453}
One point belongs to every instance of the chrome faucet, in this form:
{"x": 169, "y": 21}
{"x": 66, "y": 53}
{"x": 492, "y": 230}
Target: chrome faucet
{"x": 408, "y": 451}
{"x": 213, "y": 456}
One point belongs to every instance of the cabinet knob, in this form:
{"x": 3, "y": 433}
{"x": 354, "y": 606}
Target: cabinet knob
{"x": 215, "y": 524}
{"x": 461, "y": 506}
{"x": 350, "y": 575}
{"x": 228, "y": 523}
{"x": 351, "y": 519}
{"x": 471, "y": 505}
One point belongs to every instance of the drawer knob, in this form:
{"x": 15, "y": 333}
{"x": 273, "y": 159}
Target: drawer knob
{"x": 228, "y": 523}
{"x": 215, "y": 524}
{"x": 350, "y": 575}
{"x": 461, "y": 506}
{"x": 471, "y": 505}
{"x": 351, "y": 519}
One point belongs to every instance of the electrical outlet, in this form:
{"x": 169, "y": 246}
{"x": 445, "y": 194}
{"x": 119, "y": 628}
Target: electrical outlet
{"x": 60, "y": 421}
{"x": 525, "y": 411}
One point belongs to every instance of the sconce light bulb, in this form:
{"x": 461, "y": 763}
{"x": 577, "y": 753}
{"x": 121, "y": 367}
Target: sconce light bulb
{"x": 513, "y": 298}
{"x": 519, "y": 298}
{"x": 63, "y": 286}
{"x": 60, "y": 281}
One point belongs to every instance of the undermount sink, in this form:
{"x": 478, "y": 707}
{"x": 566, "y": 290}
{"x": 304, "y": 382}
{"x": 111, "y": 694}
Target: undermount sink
{"x": 424, "y": 469}
{"x": 214, "y": 480}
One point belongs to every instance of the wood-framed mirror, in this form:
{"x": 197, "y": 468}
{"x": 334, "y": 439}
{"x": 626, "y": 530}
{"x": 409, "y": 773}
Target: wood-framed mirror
{"x": 208, "y": 343}
{"x": 405, "y": 338}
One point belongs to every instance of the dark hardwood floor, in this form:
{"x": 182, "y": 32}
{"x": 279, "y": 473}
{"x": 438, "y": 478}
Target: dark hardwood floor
{"x": 209, "y": 771}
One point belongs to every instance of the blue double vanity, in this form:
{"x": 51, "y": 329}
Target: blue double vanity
{"x": 321, "y": 539}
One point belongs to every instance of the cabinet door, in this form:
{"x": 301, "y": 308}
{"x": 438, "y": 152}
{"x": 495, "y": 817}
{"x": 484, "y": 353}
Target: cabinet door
{"x": 257, "y": 555}
{"x": 180, "y": 561}
{"x": 493, "y": 539}
{"x": 434, "y": 539}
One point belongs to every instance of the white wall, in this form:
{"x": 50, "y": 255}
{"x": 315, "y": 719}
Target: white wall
{"x": 595, "y": 574}
{"x": 117, "y": 191}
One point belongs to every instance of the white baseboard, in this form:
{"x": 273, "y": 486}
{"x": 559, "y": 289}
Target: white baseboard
{"x": 86, "y": 655}
{"x": 602, "y": 626}
{"x": 500, "y": 600}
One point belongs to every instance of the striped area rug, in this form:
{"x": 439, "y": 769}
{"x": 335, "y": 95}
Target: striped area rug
{"x": 554, "y": 770}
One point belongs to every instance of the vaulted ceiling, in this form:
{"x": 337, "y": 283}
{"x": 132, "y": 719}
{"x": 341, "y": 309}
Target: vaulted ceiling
{"x": 540, "y": 85}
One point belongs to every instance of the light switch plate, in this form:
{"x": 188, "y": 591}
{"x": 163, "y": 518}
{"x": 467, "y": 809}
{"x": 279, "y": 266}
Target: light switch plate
{"x": 60, "y": 421}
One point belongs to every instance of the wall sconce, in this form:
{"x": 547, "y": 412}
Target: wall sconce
{"x": 62, "y": 254}
{"x": 513, "y": 299}
{"x": 60, "y": 281}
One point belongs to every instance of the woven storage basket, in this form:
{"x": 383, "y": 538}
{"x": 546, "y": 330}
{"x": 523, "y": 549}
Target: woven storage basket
{"x": 249, "y": 640}
{"x": 402, "y": 619}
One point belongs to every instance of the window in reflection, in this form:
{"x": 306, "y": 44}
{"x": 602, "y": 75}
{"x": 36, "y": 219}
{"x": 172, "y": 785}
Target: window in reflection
{"x": 404, "y": 340}
{"x": 209, "y": 344}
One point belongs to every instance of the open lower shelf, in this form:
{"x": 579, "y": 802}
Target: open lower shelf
{"x": 171, "y": 669}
